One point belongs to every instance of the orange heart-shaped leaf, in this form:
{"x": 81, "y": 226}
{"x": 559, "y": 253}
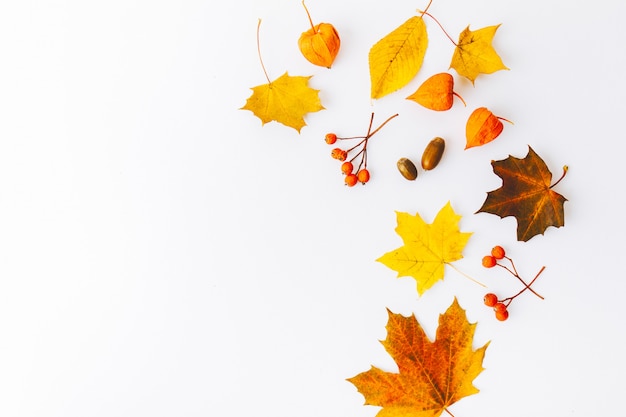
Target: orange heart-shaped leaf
{"x": 436, "y": 93}
{"x": 482, "y": 127}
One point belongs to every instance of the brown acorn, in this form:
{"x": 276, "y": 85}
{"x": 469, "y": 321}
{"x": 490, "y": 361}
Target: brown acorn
{"x": 433, "y": 153}
{"x": 320, "y": 44}
{"x": 407, "y": 168}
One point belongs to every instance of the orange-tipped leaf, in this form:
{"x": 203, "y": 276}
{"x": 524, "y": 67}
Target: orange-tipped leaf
{"x": 436, "y": 93}
{"x": 482, "y": 127}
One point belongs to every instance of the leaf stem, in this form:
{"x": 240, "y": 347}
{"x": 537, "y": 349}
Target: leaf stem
{"x": 565, "y": 169}
{"x": 309, "y": 16}
{"x": 446, "y": 410}
{"x": 506, "y": 120}
{"x": 426, "y": 9}
{"x": 465, "y": 275}
{"x": 460, "y": 98}
{"x": 258, "y": 49}
{"x": 440, "y": 25}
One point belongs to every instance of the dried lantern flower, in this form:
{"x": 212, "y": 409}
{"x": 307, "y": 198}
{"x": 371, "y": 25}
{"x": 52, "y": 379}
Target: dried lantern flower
{"x": 320, "y": 44}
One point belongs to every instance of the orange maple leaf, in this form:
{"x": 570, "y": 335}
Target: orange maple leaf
{"x": 526, "y": 194}
{"x": 432, "y": 375}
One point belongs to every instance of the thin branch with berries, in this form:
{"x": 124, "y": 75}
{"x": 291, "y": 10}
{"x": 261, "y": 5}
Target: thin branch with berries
{"x": 362, "y": 174}
{"x": 500, "y": 306}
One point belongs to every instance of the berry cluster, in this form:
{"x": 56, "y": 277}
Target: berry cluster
{"x": 360, "y": 174}
{"x": 500, "y": 306}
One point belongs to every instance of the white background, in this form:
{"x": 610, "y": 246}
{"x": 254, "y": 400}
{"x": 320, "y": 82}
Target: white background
{"x": 163, "y": 254}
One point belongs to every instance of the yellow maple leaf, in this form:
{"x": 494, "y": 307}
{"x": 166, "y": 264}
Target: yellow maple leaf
{"x": 432, "y": 375}
{"x": 396, "y": 59}
{"x": 474, "y": 53}
{"x": 427, "y": 247}
{"x": 285, "y": 100}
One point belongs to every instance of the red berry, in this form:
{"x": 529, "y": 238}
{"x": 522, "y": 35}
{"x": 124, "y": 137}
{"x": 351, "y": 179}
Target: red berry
{"x": 489, "y": 261}
{"x": 499, "y": 307}
{"x": 490, "y": 299}
{"x": 351, "y": 180}
{"x": 339, "y": 154}
{"x": 502, "y": 315}
{"x": 498, "y": 252}
{"x": 347, "y": 167}
{"x": 363, "y": 176}
{"x": 330, "y": 138}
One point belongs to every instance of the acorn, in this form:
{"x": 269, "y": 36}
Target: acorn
{"x": 433, "y": 153}
{"x": 320, "y": 44}
{"x": 407, "y": 168}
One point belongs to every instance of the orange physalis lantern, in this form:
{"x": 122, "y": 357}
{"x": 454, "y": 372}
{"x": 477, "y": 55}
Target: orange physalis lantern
{"x": 320, "y": 44}
{"x": 482, "y": 127}
{"x": 436, "y": 93}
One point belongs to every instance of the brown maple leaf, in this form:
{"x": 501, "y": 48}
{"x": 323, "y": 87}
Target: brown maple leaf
{"x": 526, "y": 194}
{"x": 432, "y": 375}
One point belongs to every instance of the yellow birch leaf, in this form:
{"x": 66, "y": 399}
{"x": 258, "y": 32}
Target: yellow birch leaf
{"x": 396, "y": 59}
{"x": 475, "y": 55}
{"x": 285, "y": 100}
{"x": 427, "y": 247}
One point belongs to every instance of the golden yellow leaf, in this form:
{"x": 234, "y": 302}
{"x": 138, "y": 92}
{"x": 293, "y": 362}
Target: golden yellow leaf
{"x": 427, "y": 247}
{"x": 475, "y": 55}
{"x": 432, "y": 375}
{"x": 285, "y": 100}
{"x": 396, "y": 59}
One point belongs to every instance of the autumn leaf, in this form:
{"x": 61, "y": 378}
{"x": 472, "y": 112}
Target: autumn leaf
{"x": 474, "y": 53}
{"x": 285, "y": 100}
{"x": 427, "y": 247}
{"x": 526, "y": 194}
{"x": 482, "y": 127}
{"x": 432, "y": 375}
{"x": 436, "y": 93}
{"x": 396, "y": 59}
